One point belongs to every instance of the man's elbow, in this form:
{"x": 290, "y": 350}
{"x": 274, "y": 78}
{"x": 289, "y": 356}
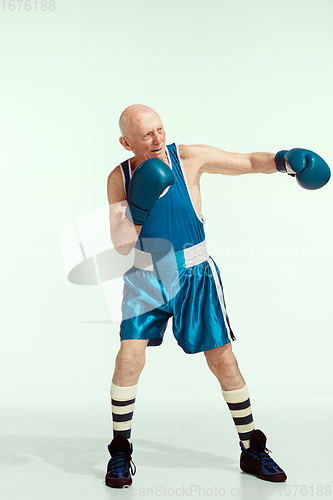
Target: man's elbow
{"x": 124, "y": 236}
{"x": 262, "y": 163}
{"x": 123, "y": 245}
{"x": 244, "y": 166}
{"x": 249, "y": 167}
{"x": 124, "y": 248}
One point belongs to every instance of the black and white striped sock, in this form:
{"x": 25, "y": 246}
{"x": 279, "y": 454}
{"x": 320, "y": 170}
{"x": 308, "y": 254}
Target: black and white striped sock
{"x": 122, "y": 402}
{"x": 239, "y": 405}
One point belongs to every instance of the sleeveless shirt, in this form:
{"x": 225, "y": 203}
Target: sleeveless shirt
{"x": 173, "y": 217}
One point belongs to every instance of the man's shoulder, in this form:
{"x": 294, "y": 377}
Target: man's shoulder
{"x": 190, "y": 151}
{"x": 115, "y": 174}
{"x": 184, "y": 150}
{"x": 115, "y": 185}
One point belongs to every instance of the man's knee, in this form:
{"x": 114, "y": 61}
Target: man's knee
{"x": 218, "y": 353}
{"x": 132, "y": 356}
{"x": 221, "y": 358}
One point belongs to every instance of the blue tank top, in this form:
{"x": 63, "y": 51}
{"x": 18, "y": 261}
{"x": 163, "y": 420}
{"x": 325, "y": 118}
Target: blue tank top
{"x": 173, "y": 217}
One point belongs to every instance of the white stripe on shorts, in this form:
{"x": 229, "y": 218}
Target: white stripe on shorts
{"x": 220, "y": 296}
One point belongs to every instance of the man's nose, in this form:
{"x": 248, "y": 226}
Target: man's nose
{"x": 156, "y": 138}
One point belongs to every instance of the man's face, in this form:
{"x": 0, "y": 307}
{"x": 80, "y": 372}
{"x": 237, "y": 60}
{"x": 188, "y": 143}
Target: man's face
{"x": 147, "y": 137}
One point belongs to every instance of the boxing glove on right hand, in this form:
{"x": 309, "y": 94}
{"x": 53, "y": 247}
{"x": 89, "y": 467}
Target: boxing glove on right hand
{"x": 310, "y": 170}
{"x": 148, "y": 182}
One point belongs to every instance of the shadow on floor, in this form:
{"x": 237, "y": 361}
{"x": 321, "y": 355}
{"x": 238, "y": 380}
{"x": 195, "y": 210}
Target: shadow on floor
{"x": 80, "y": 456}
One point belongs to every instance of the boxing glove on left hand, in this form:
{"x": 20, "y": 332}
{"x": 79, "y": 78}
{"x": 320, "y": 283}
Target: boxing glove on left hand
{"x": 311, "y": 171}
{"x": 148, "y": 182}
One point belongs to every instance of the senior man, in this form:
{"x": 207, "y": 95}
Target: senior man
{"x": 154, "y": 196}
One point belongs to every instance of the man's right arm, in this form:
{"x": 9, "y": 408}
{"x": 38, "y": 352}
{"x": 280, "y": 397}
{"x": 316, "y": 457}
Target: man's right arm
{"x": 124, "y": 233}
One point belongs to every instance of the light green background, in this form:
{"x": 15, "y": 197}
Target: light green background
{"x": 243, "y": 76}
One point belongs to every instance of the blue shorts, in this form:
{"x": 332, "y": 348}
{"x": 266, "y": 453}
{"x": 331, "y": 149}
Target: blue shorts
{"x": 192, "y": 296}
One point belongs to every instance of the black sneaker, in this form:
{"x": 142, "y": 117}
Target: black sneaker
{"x": 120, "y": 465}
{"x": 255, "y": 460}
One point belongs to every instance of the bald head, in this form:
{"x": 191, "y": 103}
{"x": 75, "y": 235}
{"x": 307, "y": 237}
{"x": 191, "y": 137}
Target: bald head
{"x": 142, "y": 133}
{"x": 133, "y": 116}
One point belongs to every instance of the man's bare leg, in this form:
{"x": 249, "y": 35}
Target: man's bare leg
{"x": 223, "y": 364}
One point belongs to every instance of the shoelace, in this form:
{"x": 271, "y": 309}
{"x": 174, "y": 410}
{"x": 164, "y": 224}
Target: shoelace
{"x": 263, "y": 456}
{"x": 120, "y": 463}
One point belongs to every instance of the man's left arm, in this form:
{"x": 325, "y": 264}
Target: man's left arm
{"x": 310, "y": 170}
{"x": 215, "y": 161}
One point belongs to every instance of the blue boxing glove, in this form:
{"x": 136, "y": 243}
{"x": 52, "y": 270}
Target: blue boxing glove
{"x": 148, "y": 182}
{"x": 311, "y": 171}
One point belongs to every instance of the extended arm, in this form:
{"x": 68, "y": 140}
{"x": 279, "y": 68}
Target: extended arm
{"x": 311, "y": 171}
{"x": 215, "y": 161}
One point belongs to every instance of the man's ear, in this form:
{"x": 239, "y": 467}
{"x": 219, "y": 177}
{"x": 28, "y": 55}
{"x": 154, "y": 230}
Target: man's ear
{"x": 124, "y": 142}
